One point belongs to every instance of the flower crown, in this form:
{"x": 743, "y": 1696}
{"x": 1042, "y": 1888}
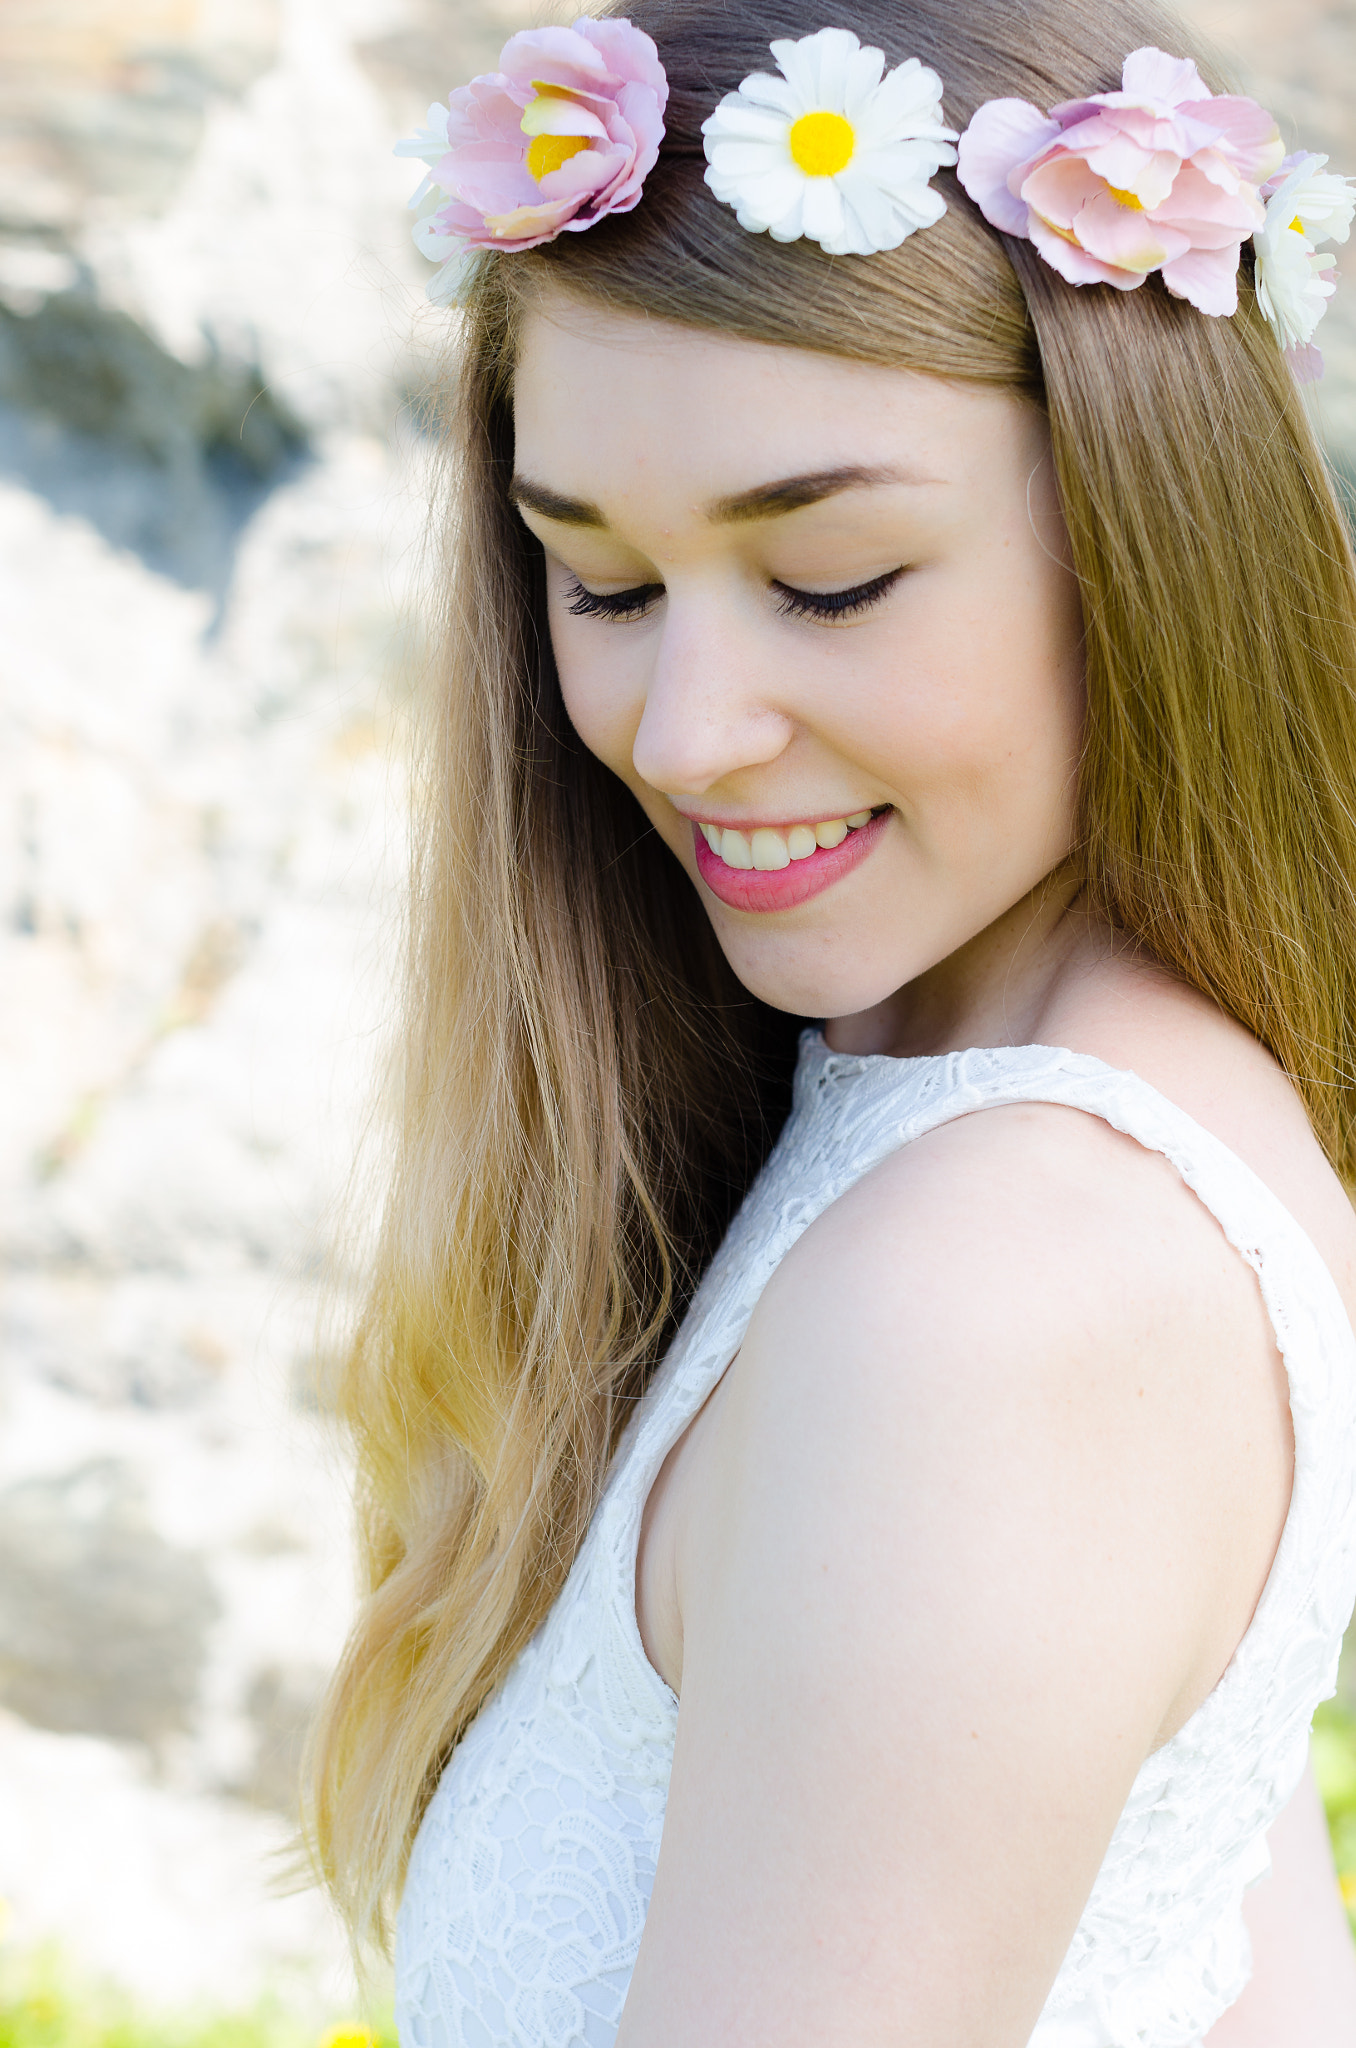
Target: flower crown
{"x": 1163, "y": 176}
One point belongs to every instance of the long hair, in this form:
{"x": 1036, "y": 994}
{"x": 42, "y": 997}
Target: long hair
{"x": 586, "y": 1090}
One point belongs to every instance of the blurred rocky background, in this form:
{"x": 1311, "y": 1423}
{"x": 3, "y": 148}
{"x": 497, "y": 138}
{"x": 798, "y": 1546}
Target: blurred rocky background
{"x": 211, "y": 496}
{"x": 210, "y": 503}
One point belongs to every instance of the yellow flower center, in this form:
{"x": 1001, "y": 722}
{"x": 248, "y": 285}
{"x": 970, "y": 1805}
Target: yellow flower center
{"x": 546, "y": 153}
{"x": 1297, "y": 226}
{"x": 822, "y": 144}
{"x": 1126, "y": 199}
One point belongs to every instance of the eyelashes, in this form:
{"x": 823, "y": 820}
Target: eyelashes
{"x": 834, "y": 604}
{"x": 822, "y": 605}
{"x": 618, "y": 604}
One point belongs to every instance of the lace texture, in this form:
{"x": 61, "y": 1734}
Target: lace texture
{"x": 532, "y": 1871}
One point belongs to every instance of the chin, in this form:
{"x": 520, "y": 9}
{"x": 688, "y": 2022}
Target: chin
{"x": 825, "y": 990}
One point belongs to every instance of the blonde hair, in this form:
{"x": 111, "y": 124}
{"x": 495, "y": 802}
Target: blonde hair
{"x": 587, "y": 1092}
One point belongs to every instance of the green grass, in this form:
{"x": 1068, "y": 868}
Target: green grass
{"x": 1334, "y": 1754}
{"x": 46, "y": 2003}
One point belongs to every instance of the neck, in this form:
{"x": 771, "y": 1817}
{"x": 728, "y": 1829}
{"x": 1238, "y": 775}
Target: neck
{"x": 994, "y": 990}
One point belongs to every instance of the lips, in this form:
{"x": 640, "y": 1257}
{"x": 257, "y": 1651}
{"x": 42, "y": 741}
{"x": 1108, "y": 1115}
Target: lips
{"x": 773, "y": 889}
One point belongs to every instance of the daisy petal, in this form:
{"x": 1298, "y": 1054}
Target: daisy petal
{"x": 759, "y": 90}
{"x": 823, "y": 209}
{"x": 908, "y": 198}
{"x": 789, "y": 226}
{"x": 748, "y": 124}
{"x": 807, "y": 63}
{"x": 910, "y": 101}
{"x": 862, "y": 82}
{"x": 871, "y": 219}
{"x": 770, "y": 198}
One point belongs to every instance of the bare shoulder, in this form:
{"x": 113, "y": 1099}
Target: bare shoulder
{"x": 1024, "y": 1307}
{"x": 1134, "y": 1015}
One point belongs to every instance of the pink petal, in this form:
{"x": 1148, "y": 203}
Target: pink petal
{"x": 1155, "y": 131}
{"x": 1245, "y": 134}
{"x": 1151, "y": 74}
{"x": 1127, "y": 167}
{"x": 482, "y": 109}
{"x": 470, "y": 227}
{"x": 496, "y": 186}
{"x": 629, "y": 54}
{"x": 1210, "y": 216}
{"x": 523, "y": 228}
{"x": 1059, "y": 187}
{"x": 1124, "y": 238}
{"x": 1003, "y": 135}
{"x": 643, "y": 117}
{"x": 1208, "y": 278}
{"x": 556, "y": 56}
{"x": 587, "y": 176}
{"x": 1075, "y": 264}
{"x": 1307, "y": 363}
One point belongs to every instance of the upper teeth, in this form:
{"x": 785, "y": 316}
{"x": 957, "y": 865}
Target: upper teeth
{"x": 767, "y": 848}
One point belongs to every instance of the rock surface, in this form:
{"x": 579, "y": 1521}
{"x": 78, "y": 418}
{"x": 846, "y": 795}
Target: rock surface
{"x": 209, "y": 514}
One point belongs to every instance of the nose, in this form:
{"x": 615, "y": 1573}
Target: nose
{"x": 711, "y": 704}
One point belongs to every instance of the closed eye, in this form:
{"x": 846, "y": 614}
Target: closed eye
{"x": 615, "y": 604}
{"x": 834, "y": 604}
{"x": 824, "y": 605}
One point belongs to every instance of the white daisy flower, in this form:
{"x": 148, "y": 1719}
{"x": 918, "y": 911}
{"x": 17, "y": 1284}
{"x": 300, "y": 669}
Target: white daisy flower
{"x": 1305, "y": 206}
{"x": 832, "y": 149}
{"x": 429, "y": 145}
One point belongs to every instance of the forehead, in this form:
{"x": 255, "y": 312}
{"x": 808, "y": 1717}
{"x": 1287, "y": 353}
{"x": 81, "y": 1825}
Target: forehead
{"x": 608, "y": 401}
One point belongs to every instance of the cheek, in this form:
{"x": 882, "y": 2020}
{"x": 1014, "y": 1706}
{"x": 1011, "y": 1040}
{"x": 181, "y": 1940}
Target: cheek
{"x": 984, "y": 741}
{"x": 603, "y": 690}
{"x": 982, "y": 706}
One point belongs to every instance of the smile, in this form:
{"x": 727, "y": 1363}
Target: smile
{"x": 775, "y": 868}
{"x": 767, "y": 849}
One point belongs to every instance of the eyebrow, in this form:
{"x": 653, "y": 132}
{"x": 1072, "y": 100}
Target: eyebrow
{"x": 764, "y": 501}
{"x": 790, "y": 493}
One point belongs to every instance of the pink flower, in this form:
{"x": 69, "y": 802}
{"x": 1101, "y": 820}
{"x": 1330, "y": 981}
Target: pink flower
{"x": 1162, "y": 175}
{"x": 566, "y": 130}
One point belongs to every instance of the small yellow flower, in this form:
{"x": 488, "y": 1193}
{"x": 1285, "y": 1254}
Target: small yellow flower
{"x": 349, "y": 2035}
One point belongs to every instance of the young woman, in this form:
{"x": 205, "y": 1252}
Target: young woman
{"x": 863, "y": 1574}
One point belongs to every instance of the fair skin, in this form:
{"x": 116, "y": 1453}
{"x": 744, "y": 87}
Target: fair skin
{"x": 980, "y": 1511}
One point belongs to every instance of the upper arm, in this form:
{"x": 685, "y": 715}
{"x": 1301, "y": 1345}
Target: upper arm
{"x": 942, "y": 1586}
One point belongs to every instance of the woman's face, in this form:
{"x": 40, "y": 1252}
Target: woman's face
{"x": 817, "y": 615}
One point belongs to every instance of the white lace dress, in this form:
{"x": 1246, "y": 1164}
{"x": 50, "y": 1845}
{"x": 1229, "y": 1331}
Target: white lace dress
{"x": 532, "y": 1871}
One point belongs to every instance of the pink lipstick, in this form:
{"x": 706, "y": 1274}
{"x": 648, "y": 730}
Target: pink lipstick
{"x": 785, "y": 888}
